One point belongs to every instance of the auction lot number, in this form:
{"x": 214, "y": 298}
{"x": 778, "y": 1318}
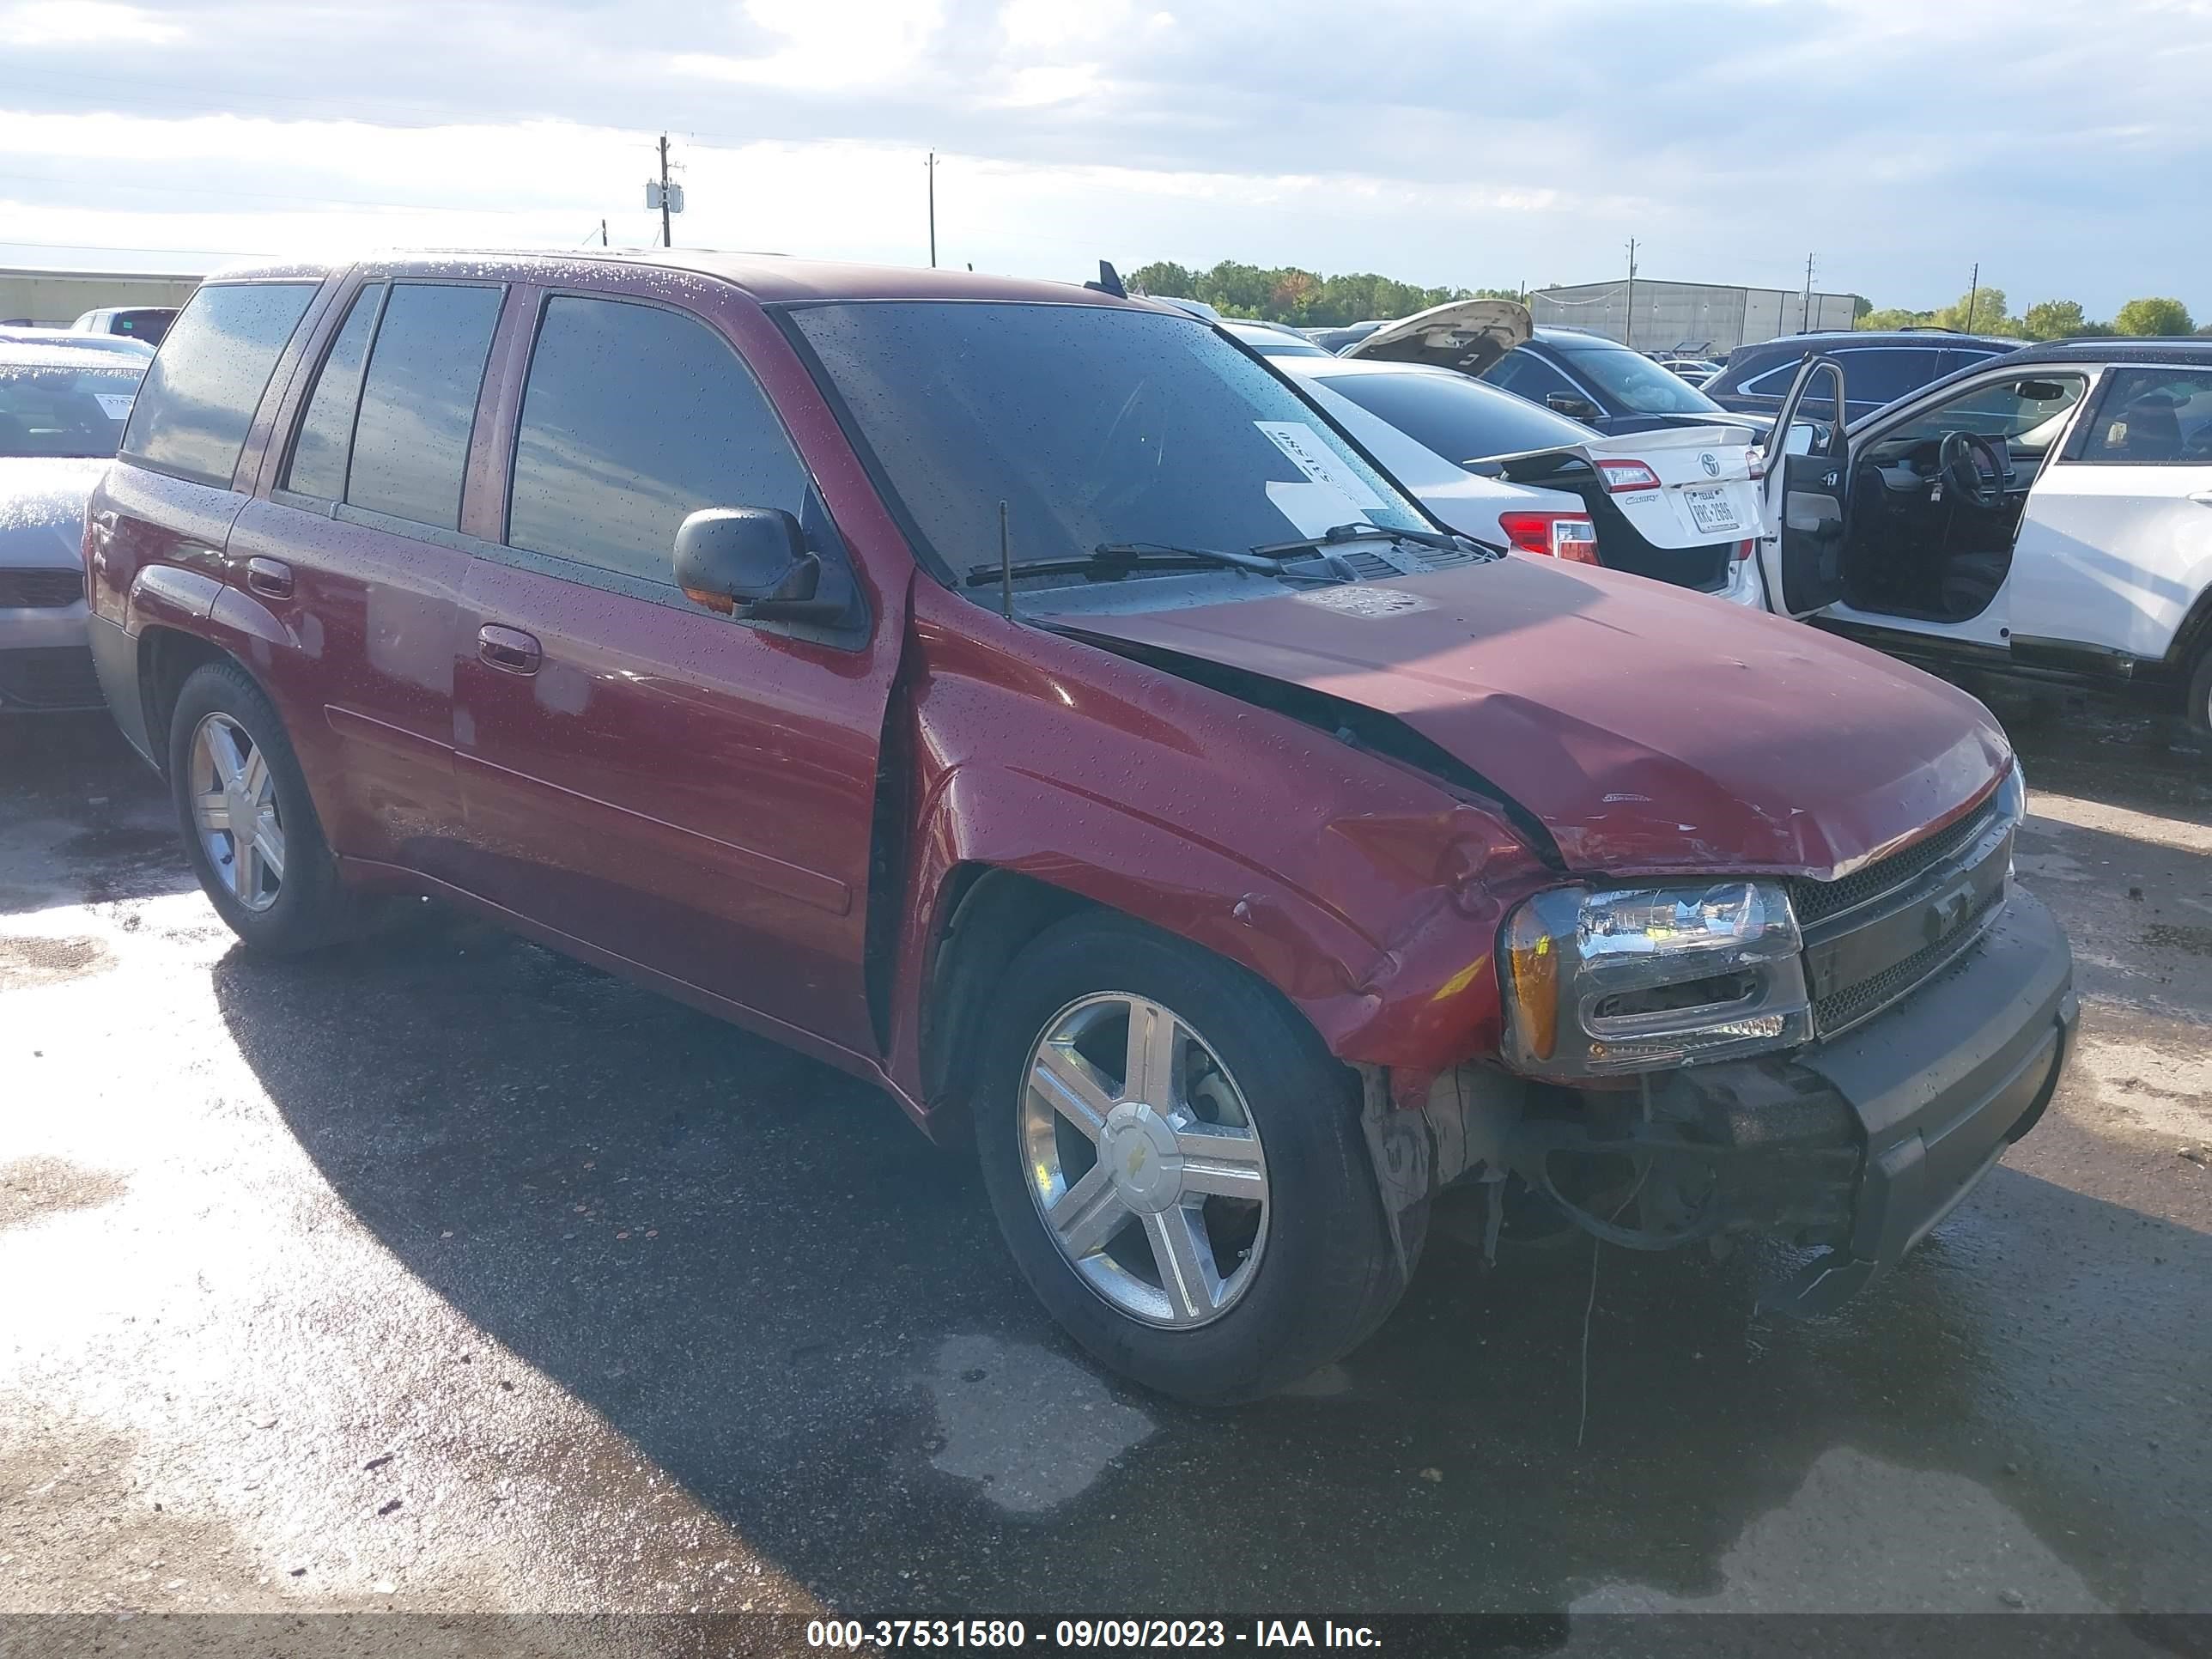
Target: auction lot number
{"x": 855, "y": 1633}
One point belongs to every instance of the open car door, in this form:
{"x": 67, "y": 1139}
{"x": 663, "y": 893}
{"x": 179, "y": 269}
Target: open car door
{"x": 1467, "y": 334}
{"x": 1809, "y": 485}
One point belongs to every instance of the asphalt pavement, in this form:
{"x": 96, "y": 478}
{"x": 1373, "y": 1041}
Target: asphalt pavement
{"x": 439, "y": 1273}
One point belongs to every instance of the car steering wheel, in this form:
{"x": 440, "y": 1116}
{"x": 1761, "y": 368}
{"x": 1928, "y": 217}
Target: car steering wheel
{"x": 1958, "y": 456}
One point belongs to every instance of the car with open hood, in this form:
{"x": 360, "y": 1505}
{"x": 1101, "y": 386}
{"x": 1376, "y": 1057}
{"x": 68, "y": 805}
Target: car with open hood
{"x": 2044, "y": 513}
{"x": 941, "y": 674}
{"x": 62, "y": 410}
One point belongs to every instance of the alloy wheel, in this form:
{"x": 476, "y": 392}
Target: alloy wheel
{"x": 235, "y": 811}
{"x": 1144, "y": 1160}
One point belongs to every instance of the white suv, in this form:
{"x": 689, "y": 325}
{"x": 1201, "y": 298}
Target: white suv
{"x": 2048, "y": 514}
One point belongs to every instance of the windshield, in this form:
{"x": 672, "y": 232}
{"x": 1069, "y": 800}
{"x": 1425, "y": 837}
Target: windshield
{"x": 1632, "y": 380}
{"x": 1095, "y": 425}
{"x": 1461, "y": 419}
{"x": 2028, "y": 411}
{"x": 64, "y": 412}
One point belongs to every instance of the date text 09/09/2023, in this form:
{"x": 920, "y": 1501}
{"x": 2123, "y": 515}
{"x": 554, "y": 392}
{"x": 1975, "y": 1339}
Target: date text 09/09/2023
{"x": 1086, "y": 1633}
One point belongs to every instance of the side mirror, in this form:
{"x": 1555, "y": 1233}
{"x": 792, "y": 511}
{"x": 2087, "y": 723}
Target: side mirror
{"x": 753, "y": 557}
{"x": 1565, "y": 403}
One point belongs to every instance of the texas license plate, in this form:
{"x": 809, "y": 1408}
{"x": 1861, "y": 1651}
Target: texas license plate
{"x": 1711, "y": 511}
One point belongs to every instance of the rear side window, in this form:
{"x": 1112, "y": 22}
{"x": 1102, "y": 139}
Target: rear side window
{"x": 198, "y": 402}
{"x": 2153, "y": 417}
{"x": 418, "y": 401}
{"x": 320, "y": 453}
{"x": 633, "y": 419}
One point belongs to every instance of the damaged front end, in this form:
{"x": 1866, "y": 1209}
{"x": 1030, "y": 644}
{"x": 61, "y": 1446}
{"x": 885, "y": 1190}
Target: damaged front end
{"x": 1837, "y": 1085}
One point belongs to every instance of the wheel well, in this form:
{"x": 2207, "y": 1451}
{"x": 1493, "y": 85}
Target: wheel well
{"x": 992, "y": 914}
{"x": 2194, "y": 635}
{"x": 167, "y": 658}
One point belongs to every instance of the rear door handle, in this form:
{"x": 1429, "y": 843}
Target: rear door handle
{"x": 508, "y": 648}
{"x": 270, "y": 578}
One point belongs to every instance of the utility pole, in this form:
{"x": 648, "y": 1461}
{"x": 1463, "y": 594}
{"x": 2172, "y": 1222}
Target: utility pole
{"x": 1974, "y": 294}
{"x": 664, "y": 241}
{"x": 603, "y": 232}
{"x": 1630, "y": 330}
{"x": 932, "y": 165}
{"x": 1805, "y": 321}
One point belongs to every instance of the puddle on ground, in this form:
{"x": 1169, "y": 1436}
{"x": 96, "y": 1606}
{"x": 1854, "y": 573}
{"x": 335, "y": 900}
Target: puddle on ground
{"x": 1033, "y": 1428}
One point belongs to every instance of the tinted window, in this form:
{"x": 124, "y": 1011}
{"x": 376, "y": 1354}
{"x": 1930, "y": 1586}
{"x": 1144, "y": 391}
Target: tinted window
{"x": 1631, "y": 379}
{"x": 1774, "y": 382}
{"x": 2153, "y": 417}
{"x": 63, "y": 411}
{"x": 326, "y": 440}
{"x": 1093, "y": 424}
{"x": 1525, "y": 374}
{"x": 200, "y": 394}
{"x": 633, "y": 419}
{"x": 410, "y": 444}
{"x": 147, "y": 323}
{"x": 1462, "y": 420}
{"x": 1885, "y": 375}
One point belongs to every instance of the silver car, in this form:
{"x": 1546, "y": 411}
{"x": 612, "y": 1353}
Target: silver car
{"x": 62, "y": 411}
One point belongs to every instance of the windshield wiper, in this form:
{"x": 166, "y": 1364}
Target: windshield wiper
{"x": 1111, "y": 560}
{"x": 1364, "y": 530}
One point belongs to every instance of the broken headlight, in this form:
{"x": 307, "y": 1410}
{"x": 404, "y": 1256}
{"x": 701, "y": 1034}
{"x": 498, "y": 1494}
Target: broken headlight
{"x": 1604, "y": 980}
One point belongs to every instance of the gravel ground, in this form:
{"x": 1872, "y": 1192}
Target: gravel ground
{"x": 440, "y": 1274}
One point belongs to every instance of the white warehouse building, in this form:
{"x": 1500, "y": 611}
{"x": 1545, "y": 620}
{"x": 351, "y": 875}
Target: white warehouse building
{"x": 51, "y": 298}
{"x": 1669, "y": 314}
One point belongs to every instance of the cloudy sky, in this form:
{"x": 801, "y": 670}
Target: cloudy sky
{"x": 2060, "y": 142}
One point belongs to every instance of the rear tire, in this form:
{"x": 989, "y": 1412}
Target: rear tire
{"x": 1240, "y": 1133}
{"x": 250, "y": 828}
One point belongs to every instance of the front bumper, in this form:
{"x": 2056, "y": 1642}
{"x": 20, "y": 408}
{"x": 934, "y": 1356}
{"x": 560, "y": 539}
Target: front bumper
{"x": 46, "y": 660}
{"x": 1936, "y": 1089}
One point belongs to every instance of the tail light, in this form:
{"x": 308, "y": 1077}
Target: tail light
{"x": 1745, "y": 549}
{"x": 1623, "y": 476}
{"x": 1754, "y": 461}
{"x": 1569, "y": 536}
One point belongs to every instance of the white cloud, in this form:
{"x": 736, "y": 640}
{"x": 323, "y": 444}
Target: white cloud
{"x": 83, "y": 23}
{"x": 828, "y": 44}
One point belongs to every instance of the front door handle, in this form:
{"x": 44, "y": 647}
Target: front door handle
{"x": 509, "y": 649}
{"x": 270, "y": 578}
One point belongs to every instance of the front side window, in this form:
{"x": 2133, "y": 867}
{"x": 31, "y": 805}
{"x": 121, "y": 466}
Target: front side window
{"x": 2153, "y": 417}
{"x": 418, "y": 401}
{"x": 320, "y": 453}
{"x": 1096, "y": 427}
{"x": 63, "y": 411}
{"x": 634, "y": 417}
{"x": 1525, "y": 374}
{"x": 1632, "y": 380}
{"x": 199, "y": 396}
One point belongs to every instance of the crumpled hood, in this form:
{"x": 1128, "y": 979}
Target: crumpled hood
{"x": 42, "y": 510}
{"x": 1648, "y": 727}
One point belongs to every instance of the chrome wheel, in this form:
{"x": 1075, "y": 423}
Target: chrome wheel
{"x": 1144, "y": 1160}
{"x": 235, "y": 810}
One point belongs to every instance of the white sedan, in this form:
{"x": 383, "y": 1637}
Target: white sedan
{"x": 2047, "y": 514}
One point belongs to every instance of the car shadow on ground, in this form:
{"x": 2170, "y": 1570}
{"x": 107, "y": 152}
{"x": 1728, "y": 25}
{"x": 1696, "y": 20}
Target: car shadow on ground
{"x": 754, "y": 1269}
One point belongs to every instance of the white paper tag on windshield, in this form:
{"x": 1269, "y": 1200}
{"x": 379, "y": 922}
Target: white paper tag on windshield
{"x": 1312, "y": 456}
{"x": 1314, "y": 509}
{"x": 116, "y": 405}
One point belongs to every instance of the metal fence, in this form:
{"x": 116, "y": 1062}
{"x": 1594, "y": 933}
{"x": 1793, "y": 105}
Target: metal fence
{"x": 1687, "y": 314}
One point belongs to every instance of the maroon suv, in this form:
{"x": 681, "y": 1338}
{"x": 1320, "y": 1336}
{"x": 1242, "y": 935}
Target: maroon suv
{"x": 1022, "y": 698}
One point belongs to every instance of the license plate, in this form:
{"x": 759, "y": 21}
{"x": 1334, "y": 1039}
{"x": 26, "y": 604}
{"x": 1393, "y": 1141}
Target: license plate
{"x": 1711, "y": 511}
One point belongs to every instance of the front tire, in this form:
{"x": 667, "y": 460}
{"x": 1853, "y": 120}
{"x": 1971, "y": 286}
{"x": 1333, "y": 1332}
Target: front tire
{"x": 2198, "y": 709}
{"x": 1177, "y": 1164}
{"x": 251, "y": 831}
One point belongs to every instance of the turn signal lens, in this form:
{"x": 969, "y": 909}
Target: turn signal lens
{"x": 1533, "y": 963}
{"x": 1621, "y": 477}
{"x": 1570, "y": 536}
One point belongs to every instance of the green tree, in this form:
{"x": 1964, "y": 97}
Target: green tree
{"x": 2053, "y": 319}
{"x": 1894, "y": 317}
{"x": 1982, "y": 311}
{"x": 2153, "y": 316}
{"x": 1289, "y": 294}
{"x": 1862, "y": 308}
